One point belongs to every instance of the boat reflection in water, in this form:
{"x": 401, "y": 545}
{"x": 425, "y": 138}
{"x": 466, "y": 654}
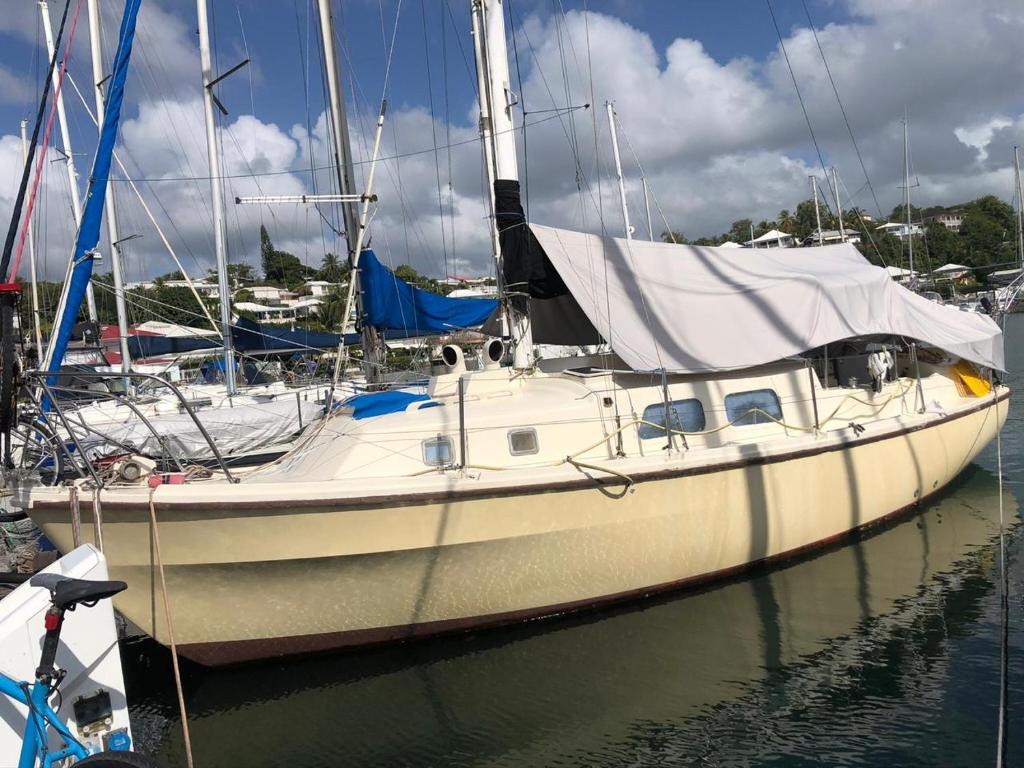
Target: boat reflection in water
{"x": 855, "y": 637}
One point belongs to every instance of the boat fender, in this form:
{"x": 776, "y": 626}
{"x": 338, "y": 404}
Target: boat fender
{"x": 454, "y": 361}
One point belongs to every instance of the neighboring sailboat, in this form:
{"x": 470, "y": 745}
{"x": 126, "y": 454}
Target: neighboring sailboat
{"x": 702, "y": 445}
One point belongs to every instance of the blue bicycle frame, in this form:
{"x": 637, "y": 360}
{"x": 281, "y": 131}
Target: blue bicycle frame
{"x": 40, "y": 716}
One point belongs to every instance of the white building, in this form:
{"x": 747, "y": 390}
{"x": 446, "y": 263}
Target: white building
{"x": 951, "y": 220}
{"x": 899, "y": 230}
{"x": 772, "y": 239}
{"x": 319, "y": 288}
{"x": 833, "y": 236}
{"x": 203, "y": 288}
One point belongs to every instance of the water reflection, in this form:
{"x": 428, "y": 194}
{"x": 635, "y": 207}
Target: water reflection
{"x": 817, "y": 661}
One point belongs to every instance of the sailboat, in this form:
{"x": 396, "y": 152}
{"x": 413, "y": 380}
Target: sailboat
{"x": 747, "y": 411}
{"x": 248, "y": 424}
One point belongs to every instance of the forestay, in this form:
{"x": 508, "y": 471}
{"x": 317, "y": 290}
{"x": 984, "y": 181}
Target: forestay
{"x": 693, "y": 308}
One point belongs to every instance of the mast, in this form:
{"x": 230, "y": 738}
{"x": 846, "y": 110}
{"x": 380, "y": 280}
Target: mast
{"x": 219, "y": 224}
{"x": 69, "y": 158}
{"x": 817, "y": 210}
{"x": 618, "y": 170}
{"x": 839, "y": 205}
{"x": 346, "y": 180}
{"x": 1020, "y": 203}
{"x": 497, "y": 130}
{"x": 647, "y": 207}
{"x": 110, "y": 208}
{"x": 906, "y": 198}
{"x": 32, "y": 257}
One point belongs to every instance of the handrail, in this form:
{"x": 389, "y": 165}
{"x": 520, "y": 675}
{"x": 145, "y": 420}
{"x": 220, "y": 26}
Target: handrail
{"x": 42, "y": 375}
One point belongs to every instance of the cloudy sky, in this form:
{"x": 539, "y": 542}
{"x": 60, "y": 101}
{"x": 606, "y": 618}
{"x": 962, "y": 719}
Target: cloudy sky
{"x": 705, "y": 100}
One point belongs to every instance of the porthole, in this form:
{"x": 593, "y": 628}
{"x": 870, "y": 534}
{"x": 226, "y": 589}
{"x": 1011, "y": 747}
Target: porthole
{"x": 522, "y": 442}
{"x": 437, "y": 452}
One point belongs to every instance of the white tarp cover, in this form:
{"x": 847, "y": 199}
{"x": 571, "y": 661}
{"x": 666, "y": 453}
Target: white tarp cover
{"x": 693, "y": 308}
{"x": 235, "y": 429}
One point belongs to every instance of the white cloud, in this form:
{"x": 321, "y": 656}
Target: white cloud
{"x": 721, "y": 140}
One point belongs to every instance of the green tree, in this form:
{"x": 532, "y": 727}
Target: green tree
{"x": 281, "y": 267}
{"x": 333, "y": 269}
{"x": 238, "y": 274}
{"x": 740, "y": 230}
{"x": 785, "y": 221}
{"x": 944, "y": 245}
{"x": 672, "y": 236}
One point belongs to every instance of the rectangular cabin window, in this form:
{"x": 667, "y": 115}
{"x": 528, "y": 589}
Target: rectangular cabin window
{"x": 522, "y": 442}
{"x": 758, "y": 406}
{"x": 437, "y": 452}
{"x": 683, "y": 416}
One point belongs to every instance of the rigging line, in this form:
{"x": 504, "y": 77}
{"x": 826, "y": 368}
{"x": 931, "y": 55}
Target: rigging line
{"x": 835, "y": 90}
{"x": 433, "y": 132}
{"x": 16, "y": 213}
{"x": 547, "y": 87}
{"x": 414, "y": 153}
{"x": 462, "y": 50}
{"x": 574, "y": 142}
{"x": 142, "y": 202}
{"x": 12, "y": 228}
{"x": 600, "y": 200}
{"x": 864, "y": 225}
{"x": 796, "y": 88}
{"x": 397, "y": 178}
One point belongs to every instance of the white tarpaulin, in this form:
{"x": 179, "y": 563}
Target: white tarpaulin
{"x": 235, "y": 429}
{"x": 693, "y": 308}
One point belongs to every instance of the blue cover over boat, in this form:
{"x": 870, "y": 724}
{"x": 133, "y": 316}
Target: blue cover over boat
{"x": 250, "y": 336}
{"x": 391, "y": 304}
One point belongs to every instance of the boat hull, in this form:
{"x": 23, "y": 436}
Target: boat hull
{"x": 256, "y": 580}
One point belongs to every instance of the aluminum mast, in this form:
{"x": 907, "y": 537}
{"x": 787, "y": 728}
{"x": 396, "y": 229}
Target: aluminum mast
{"x": 906, "y": 187}
{"x": 346, "y": 182}
{"x": 817, "y": 210}
{"x": 110, "y": 208}
{"x": 32, "y": 257}
{"x": 219, "y": 224}
{"x": 1020, "y": 205}
{"x": 497, "y": 130}
{"x": 618, "y": 170}
{"x": 839, "y": 205}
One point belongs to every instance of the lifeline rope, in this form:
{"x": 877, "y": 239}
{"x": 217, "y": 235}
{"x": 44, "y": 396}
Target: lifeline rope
{"x": 170, "y": 633}
{"x": 572, "y": 458}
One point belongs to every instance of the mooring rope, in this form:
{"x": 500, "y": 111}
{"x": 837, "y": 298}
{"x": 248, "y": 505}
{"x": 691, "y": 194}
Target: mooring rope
{"x": 170, "y": 632}
{"x": 1004, "y": 588}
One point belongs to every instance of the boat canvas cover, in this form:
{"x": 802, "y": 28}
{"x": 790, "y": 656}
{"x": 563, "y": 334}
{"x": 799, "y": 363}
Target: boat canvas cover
{"x": 693, "y": 308}
{"x": 239, "y": 428}
{"x": 392, "y": 304}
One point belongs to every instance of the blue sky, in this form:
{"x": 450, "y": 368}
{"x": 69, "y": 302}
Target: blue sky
{"x": 274, "y": 32}
{"x": 703, "y": 95}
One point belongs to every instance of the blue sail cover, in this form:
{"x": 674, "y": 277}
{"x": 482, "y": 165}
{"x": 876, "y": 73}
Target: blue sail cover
{"x": 251, "y": 337}
{"x": 391, "y": 304}
{"x": 92, "y": 216}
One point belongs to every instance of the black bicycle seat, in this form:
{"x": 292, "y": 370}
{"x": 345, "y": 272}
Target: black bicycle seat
{"x": 67, "y": 592}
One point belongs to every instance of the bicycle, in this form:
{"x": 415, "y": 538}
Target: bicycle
{"x": 65, "y": 595}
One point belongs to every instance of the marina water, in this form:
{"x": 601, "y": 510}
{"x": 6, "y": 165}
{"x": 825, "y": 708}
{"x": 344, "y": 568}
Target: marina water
{"x": 883, "y": 650}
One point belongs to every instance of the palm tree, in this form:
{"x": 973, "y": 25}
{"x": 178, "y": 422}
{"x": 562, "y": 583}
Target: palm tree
{"x": 785, "y": 221}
